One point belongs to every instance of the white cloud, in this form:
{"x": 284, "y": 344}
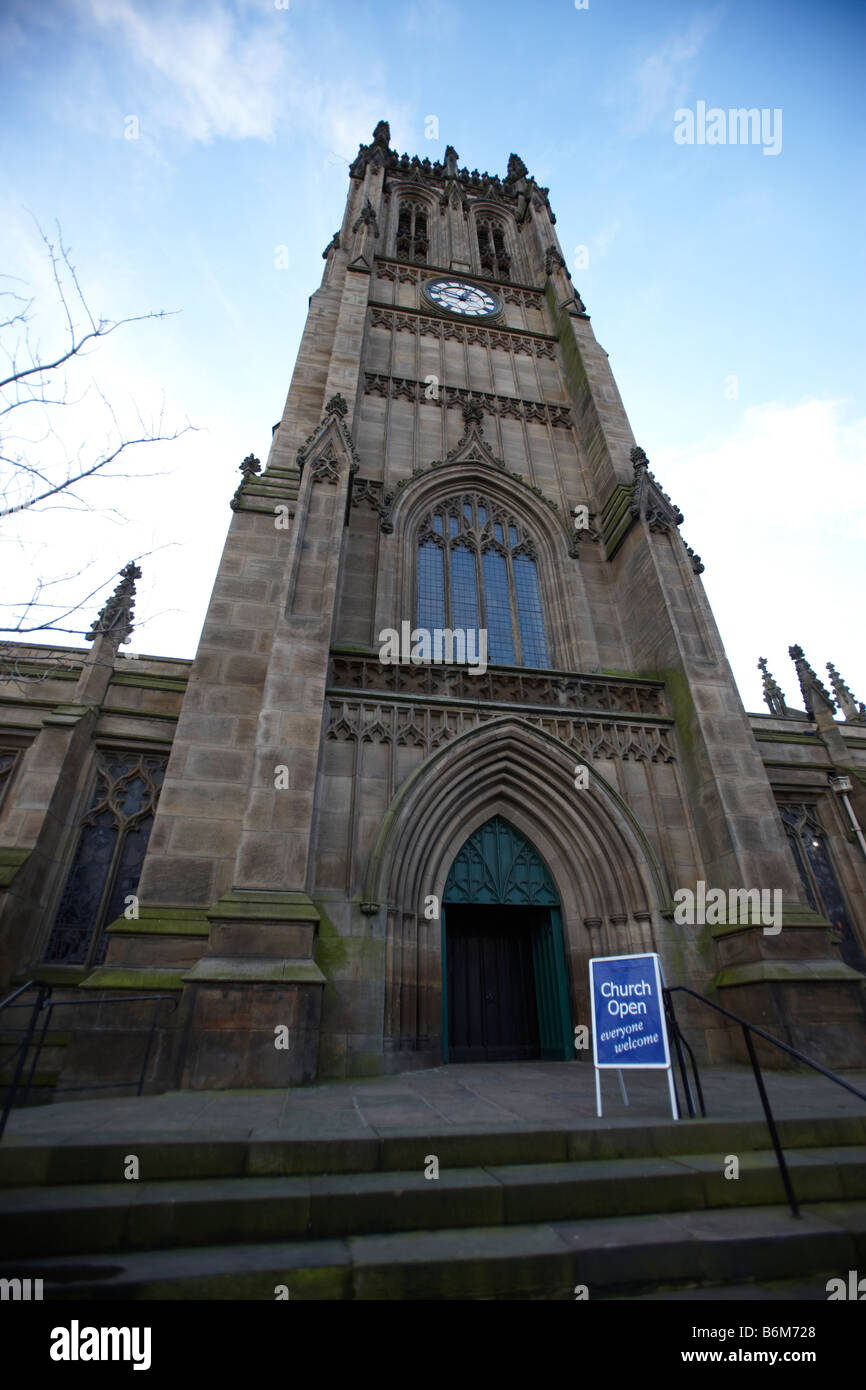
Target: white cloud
{"x": 792, "y": 463}
{"x": 777, "y": 511}
{"x": 224, "y": 72}
{"x": 600, "y": 239}
{"x": 209, "y": 77}
{"x": 431, "y": 17}
{"x": 660, "y": 79}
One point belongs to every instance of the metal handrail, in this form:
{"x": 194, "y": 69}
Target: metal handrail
{"x": 15, "y": 993}
{"x": 680, "y": 1042}
{"x": 21, "y": 1052}
{"x": 748, "y": 1029}
{"x": 9, "y": 1002}
{"x": 44, "y": 1001}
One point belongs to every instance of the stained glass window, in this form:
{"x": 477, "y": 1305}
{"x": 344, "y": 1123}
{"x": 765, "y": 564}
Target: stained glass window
{"x": 807, "y": 839}
{"x": 431, "y": 586}
{"x": 497, "y": 604}
{"x": 481, "y": 572}
{"x": 532, "y": 638}
{"x": 109, "y": 855}
{"x": 464, "y": 588}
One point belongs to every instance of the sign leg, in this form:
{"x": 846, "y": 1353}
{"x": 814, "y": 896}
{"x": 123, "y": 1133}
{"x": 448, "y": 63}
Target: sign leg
{"x": 672, "y": 1088}
{"x": 622, "y": 1085}
{"x": 598, "y": 1092}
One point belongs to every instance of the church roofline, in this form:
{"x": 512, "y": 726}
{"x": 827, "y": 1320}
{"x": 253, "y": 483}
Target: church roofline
{"x": 441, "y": 171}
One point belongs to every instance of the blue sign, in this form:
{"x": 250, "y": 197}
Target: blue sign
{"x": 628, "y": 1020}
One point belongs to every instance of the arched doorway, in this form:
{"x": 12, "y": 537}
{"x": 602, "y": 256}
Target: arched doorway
{"x": 504, "y": 983}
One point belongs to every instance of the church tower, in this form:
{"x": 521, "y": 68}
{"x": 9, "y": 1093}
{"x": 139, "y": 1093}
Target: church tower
{"x": 362, "y": 862}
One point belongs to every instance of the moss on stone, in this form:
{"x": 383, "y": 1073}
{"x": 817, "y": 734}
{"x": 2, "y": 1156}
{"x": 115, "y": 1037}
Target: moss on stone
{"x": 572, "y": 362}
{"x": 680, "y": 696}
{"x": 177, "y": 684}
{"x": 364, "y": 1064}
{"x": 782, "y": 971}
{"x": 163, "y": 921}
{"x": 246, "y": 970}
{"x": 331, "y": 951}
{"x": 248, "y": 905}
{"x": 110, "y": 977}
{"x": 11, "y": 860}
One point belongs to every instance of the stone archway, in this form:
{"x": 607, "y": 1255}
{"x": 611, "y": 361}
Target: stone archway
{"x": 597, "y": 854}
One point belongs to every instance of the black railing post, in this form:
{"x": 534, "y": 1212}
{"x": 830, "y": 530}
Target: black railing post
{"x": 675, "y": 1032}
{"x": 695, "y": 1071}
{"x": 37, "y": 1052}
{"x": 771, "y": 1123}
{"x": 748, "y": 1030}
{"x": 24, "y": 1047}
{"x": 157, "y": 1001}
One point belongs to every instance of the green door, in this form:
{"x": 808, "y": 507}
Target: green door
{"x": 551, "y": 988}
{"x": 494, "y": 963}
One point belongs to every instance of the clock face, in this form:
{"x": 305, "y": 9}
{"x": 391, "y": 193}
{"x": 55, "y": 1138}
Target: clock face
{"x": 459, "y": 298}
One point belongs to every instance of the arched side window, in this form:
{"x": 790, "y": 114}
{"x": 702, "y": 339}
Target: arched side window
{"x": 478, "y": 568}
{"x": 109, "y": 856}
{"x": 807, "y": 841}
{"x": 495, "y": 260}
{"x": 412, "y": 241}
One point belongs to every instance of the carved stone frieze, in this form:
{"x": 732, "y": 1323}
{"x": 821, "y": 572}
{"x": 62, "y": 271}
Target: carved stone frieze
{"x": 428, "y": 326}
{"x": 510, "y": 686}
{"x": 427, "y": 727}
{"x": 325, "y": 470}
{"x": 407, "y": 388}
{"x": 399, "y": 272}
{"x": 372, "y": 492}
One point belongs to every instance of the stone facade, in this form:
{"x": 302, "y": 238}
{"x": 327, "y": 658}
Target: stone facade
{"x": 314, "y": 799}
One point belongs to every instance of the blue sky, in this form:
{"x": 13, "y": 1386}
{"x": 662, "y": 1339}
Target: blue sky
{"x": 726, "y": 284}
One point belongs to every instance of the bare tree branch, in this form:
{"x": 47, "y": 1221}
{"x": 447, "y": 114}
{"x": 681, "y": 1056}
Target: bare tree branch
{"x": 41, "y": 469}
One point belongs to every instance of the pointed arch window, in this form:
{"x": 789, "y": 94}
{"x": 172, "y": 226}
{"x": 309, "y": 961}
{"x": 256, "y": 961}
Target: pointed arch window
{"x": 478, "y": 568}
{"x": 495, "y": 260}
{"x": 807, "y": 842}
{"x": 109, "y": 855}
{"x": 412, "y": 241}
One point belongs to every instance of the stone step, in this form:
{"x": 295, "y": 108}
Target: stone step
{"x": 40, "y": 1091}
{"x": 11, "y": 1037}
{"x": 50, "y": 1059}
{"x": 45, "y": 1078}
{"x": 612, "y": 1257}
{"x": 141, "y": 1215}
{"x": 807, "y": 1288}
{"x": 166, "y": 1155}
